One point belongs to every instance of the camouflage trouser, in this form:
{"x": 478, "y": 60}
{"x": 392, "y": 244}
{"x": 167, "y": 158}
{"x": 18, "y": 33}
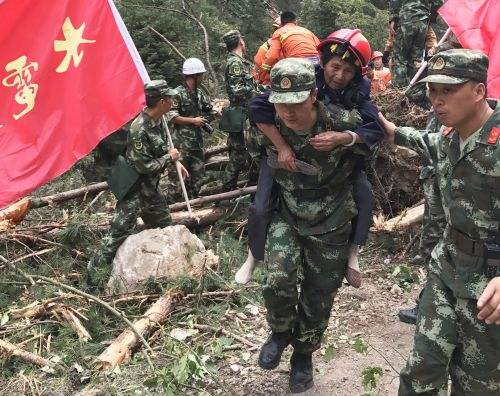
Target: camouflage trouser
{"x": 194, "y": 161}
{"x": 451, "y": 340}
{"x": 239, "y": 161}
{"x": 434, "y": 220}
{"x": 408, "y": 49}
{"x": 322, "y": 261}
{"x": 149, "y": 203}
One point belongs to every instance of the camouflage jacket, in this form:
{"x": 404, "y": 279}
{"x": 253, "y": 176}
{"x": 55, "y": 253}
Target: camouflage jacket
{"x": 190, "y": 104}
{"x": 240, "y": 85}
{"x": 404, "y": 11}
{"x": 469, "y": 184}
{"x": 147, "y": 148}
{"x": 323, "y": 202}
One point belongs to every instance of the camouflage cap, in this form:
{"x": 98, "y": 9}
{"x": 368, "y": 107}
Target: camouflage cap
{"x": 457, "y": 66}
{"x": 158, "y": 88}
{"x": 292, "y": 80}
{"x": 231, "y": 37}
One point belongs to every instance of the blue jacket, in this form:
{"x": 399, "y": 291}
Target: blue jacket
{"x": 355, "y": 95}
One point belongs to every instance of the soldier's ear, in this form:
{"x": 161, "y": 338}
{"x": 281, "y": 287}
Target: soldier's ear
{"x": 480, "y": 90}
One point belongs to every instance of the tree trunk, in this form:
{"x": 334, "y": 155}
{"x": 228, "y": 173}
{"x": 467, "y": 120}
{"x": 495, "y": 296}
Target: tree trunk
{"x": 6, "y": 348}
{"x": 66, "y": 195}
{"x": 122, "y": 347}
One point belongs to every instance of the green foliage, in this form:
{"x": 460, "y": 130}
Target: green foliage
{"x": 404, "y": 276}
{"x": 359, "y": 345}
{"x": 370, "y": 377}
{"x": 326, "y": 16}
{"x": 330, "y": 353}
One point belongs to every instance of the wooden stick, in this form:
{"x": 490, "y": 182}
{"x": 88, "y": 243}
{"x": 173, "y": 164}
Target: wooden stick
{"x": 177, "y": 166}
{"x": 121, "y": 348}
{"x": 13, "y": 350}
{"x": 215, "y": 150}
{"x": 214, "y": 198}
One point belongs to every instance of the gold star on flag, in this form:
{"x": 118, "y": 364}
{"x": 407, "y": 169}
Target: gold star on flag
{"x": 73, "y": 39}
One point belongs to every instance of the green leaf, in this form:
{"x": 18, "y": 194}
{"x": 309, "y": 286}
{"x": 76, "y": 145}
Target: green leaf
{"x": 359, "y": 345}
{"x": 330, "y": 352}
{"x": 4, "y": 319}
{"x": 371, "y": 376}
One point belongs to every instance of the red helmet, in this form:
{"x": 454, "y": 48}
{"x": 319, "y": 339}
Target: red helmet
{"x": 377, "y": 54}
{"x": 351, "y": 40}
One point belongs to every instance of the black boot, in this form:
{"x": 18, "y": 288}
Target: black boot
{"x": 408, "y": 315}
{"x": 271, "y": 351}
{"x": 301, "y": 372}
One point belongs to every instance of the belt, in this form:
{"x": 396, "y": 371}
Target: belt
{"x": 467, "y": 245}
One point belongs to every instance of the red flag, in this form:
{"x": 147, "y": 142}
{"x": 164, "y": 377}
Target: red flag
{"x": 69, "y": 76}
{"x": 476, "y": 24}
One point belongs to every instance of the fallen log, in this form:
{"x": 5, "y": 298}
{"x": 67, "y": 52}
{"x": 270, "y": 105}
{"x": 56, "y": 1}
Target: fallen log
{"x": 200, "y": 218}
{"x": 67, "y": 195}
{"x": 216, "y": 163}
{"x": 407, "y": 219}
{"x": 215, "y": 150}
{"x": 8, "y": 349}
{"x": 214, "y": 198}
{"x": 121, "y": 348}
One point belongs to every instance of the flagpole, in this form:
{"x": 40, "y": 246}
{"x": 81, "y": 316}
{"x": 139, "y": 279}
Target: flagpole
{"x": 424, "y": 64}
{"x": 178, "y": 167}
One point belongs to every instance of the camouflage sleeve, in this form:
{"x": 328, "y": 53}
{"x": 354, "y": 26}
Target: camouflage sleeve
{"x": 239, "y": 83}
{"x": 174, "y": 110}
{"x": 344, "y": 119}
{"x": 423, "y": 142}
{"x": 140, "y": 157}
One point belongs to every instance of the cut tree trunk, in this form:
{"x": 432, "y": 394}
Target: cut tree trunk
{"x": 122, "y": 347}
{"x": 66, "y": 195}
{"x": 407, "y": 219}
{"x": 216, "y": 163}
{"x": 215, "y": 150}
{"x": 200, "y": 218}
{"x": 8, "y": 349}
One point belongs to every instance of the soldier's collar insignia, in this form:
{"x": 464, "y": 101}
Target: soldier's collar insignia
{"x": 439, "y": 64}
{"x": 175, "y": 103}
{"x": 285, "y": 83}
{"x": 237, "y": 70}
{"x": 138, "y": 145}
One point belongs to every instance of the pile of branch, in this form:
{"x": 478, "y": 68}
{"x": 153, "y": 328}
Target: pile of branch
{"x": 397, "y": 108}
{"x": 55, "y": 308}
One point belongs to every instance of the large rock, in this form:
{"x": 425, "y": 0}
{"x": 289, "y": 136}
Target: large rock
{"x": 161, "y": 253}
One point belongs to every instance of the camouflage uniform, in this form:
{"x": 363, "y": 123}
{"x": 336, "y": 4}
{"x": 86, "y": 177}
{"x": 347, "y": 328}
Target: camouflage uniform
{"x": 434, "y": 221}
{"x": 412, "y": 18}
{"x": 189, "y": 138}
{"x": 105, "y": 154}
{"x": 240, "y": 88}
{"x": 147, "y": 154}
{"x": 310, "y": 231}
{"x": 449, "y": 337}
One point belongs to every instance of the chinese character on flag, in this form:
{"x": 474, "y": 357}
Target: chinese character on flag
{"x": 476, "y": 23}
{"x": 69, "y": 76}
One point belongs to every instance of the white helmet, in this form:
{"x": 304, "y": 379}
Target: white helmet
{"x": 193, "y": 66}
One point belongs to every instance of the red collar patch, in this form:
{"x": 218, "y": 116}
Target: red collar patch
{"x": 447, "y": 131}
{"x": 494, "y": 135}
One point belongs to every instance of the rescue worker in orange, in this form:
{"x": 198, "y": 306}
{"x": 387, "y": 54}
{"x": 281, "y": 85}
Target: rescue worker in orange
{"x": 381, "y": 75}
{"x": 290, "y": 40}
{"x": 258, "y": 59}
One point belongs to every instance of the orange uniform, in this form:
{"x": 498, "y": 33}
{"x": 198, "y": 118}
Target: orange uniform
{"x": 258, "y": 60}
{"x": 381, "y": 80}
{"x": 288, "y": 41}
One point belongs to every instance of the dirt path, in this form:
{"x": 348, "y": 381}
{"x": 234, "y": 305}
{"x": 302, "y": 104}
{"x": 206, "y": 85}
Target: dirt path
{"x": 362, "y": 318}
